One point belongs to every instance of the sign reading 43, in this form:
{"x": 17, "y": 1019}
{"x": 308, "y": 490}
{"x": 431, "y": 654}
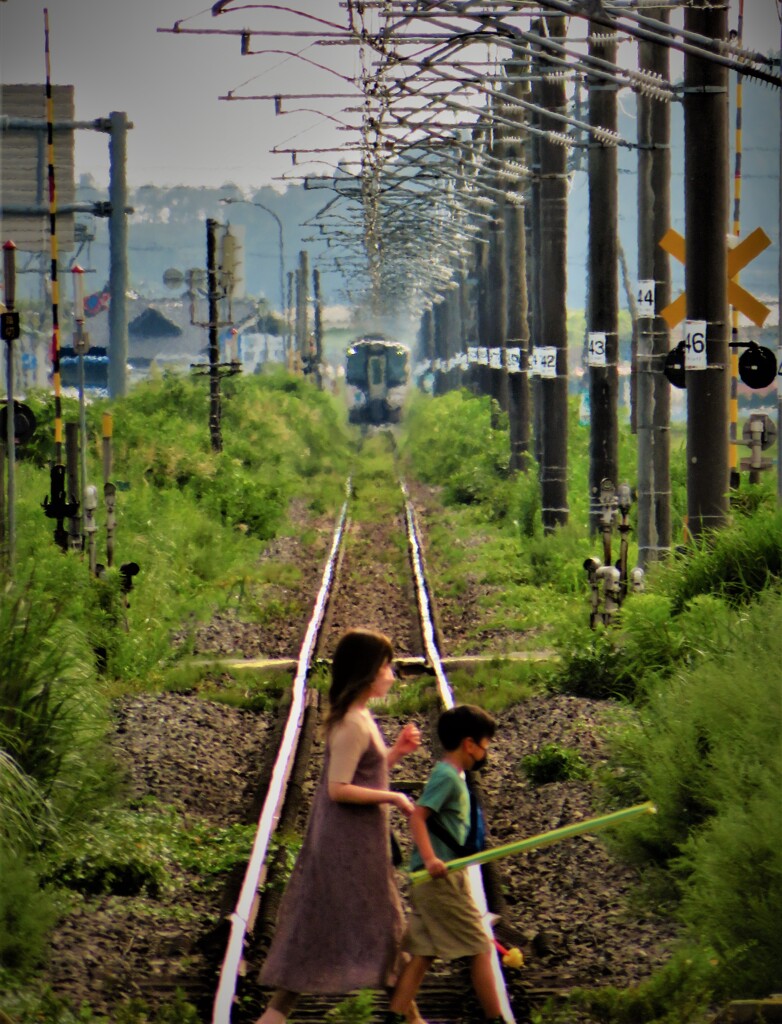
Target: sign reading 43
{"x": 596, "y": 348}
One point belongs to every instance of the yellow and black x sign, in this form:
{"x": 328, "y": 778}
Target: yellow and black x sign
{"x": 738, "y": 257}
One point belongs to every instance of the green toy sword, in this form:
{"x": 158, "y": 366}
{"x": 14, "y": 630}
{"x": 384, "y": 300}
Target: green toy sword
{"x": 544, "y": 839}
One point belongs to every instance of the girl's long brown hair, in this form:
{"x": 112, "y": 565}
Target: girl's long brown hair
{"x": 359, "y": 656}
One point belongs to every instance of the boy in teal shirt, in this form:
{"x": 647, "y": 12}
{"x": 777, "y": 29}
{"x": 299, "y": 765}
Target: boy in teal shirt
{"x": 445, "y": 922}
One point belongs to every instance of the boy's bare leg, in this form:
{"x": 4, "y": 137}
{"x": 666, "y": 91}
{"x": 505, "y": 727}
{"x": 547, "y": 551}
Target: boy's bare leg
{"x": 409, "y": 982}
{"x": 484, "y": 985}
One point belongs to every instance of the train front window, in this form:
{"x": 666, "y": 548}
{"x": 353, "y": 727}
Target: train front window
{"x": 375, "y": 370}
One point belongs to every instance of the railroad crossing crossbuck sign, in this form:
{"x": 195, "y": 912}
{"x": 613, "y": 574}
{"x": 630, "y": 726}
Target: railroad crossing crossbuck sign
{"x": 738, "y": 257}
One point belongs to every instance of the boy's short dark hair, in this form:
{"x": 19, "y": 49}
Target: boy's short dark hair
{"x": 462, "y": 722}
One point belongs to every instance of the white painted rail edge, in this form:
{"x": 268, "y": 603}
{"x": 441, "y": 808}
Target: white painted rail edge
{"x": 275, "y": 797}
{"x": 424, "y": 607}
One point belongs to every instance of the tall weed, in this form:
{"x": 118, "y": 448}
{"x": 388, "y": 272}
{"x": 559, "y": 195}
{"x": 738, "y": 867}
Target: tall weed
{"x": 706, "y": 749}
{"x": 737, "y": 562}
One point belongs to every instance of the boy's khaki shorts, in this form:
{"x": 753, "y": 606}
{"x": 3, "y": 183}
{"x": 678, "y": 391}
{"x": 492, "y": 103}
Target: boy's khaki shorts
{"x": 444, "y": 921}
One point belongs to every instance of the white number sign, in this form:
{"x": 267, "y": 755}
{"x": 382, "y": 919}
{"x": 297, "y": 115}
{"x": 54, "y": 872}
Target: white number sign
{"x": 546, "y": 360}
{"x": 596, "y": 348}
{"x": 644, "y": 298}
{"x": 695, "y": 345}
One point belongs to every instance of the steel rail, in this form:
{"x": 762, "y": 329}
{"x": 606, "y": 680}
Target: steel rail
{"x": 446, "y": 695}
{"x": 243, "y": 916}
{"x": 247, "y": 902}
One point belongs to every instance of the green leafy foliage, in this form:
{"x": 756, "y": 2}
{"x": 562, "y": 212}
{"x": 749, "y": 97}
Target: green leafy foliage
{"x": 357, "y": 1009}
{"x": 26, "y": 913}
{"x": 129, "y": 852}
{"x": 677, "y": 994}
{"x": 705, "y": 748}
{"x": 591, "y": 664}
{"x": 553, "y": 763}
{"x": 737, "y": 562}
{"x": 30, "y": 1006}
{"x": 450, "y": 441}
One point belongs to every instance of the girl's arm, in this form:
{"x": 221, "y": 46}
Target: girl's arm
{"x": 348, "y": 741}
{"x": 407, "y": 741}
{"x": 348, "y": 793}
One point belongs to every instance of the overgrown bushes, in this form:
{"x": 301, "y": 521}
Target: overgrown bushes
{"x": 706, "y": 748}
{"x": 698, "y": 657}
{"x": 194, "y": 522}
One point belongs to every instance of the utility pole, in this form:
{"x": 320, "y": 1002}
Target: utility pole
{"x": 215, "y": 432}
{"x": 533, "y": 249}
{"x": 552, "y": 329}
{"x": 603, "y": 301}
{"x": 440, "y": 323}
{"x": 653, "y": 394}
{"x": 706, "y": 205}
{"x": 10, "y": 333}
{"x": 482, "y": 299}
{"x": 779, "y": 304}
{"x": 427, "y": 340}
{"x": 465, "y": 325}
{"x": 482, "y": 311}
{"x": 498, "y": 373}
{"x": 302, "y": 297}
{"x": 118, "y": 269}
{"x": 318, "y": 328}
{"x": 517, "y": 309}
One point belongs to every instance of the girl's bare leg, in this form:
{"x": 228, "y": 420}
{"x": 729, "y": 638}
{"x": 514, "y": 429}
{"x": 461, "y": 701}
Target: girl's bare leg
{"x": 280, "y": 1005}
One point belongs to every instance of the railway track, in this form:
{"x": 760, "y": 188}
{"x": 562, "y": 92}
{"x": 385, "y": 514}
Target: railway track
{"x": 447, "y": 992}
{"x": 573, "y": 896}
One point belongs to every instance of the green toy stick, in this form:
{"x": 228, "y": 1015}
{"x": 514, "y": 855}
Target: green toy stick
{"x": 522, "y": 845}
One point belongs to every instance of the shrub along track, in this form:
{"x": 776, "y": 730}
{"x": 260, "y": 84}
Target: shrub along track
{"x": 567, "y": 904}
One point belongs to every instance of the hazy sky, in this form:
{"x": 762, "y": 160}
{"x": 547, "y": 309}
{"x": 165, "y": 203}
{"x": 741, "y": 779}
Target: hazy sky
{"x": 169, "y": 85}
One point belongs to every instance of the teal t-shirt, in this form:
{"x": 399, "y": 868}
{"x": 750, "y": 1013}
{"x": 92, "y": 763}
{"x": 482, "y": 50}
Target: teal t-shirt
{"x": 446, "y": 795}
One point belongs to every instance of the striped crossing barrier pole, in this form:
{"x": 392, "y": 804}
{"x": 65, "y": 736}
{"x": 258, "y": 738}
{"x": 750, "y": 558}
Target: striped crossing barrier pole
{"x": 53, "y": 249}
{"x": 733, "y": 450}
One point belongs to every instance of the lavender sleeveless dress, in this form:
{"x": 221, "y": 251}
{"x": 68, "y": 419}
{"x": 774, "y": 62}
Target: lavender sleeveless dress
{"x": 340, "y": 921}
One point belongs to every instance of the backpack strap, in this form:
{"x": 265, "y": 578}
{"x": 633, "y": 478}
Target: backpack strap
{"x": 439, "y": 830}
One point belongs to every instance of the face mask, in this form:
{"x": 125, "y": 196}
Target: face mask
{"x": 480, "y": 765}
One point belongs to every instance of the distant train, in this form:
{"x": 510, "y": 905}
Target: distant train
{"x": 377, "y": 372}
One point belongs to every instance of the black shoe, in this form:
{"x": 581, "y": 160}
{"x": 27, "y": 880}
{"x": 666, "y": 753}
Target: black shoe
{"x": 394, "y": 1018}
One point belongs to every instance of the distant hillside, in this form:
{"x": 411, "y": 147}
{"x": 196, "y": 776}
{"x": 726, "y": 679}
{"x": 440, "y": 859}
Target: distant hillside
{"x": 168, "y": 229}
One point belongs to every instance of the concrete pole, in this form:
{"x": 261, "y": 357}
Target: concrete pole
{"x": 706, "y": 204}
{"x": 498, "y": 302}
{"x": 603, "y": 301}
{"x": 302, "y": 297}
{"x": 653, "y": 389}
{"x": 552, "y": 329}
{"x": 532, "y": 225}
{"x": 779, "y": 306}
{"x": 215, "y": 432}
{"x": 118, "y": 254}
